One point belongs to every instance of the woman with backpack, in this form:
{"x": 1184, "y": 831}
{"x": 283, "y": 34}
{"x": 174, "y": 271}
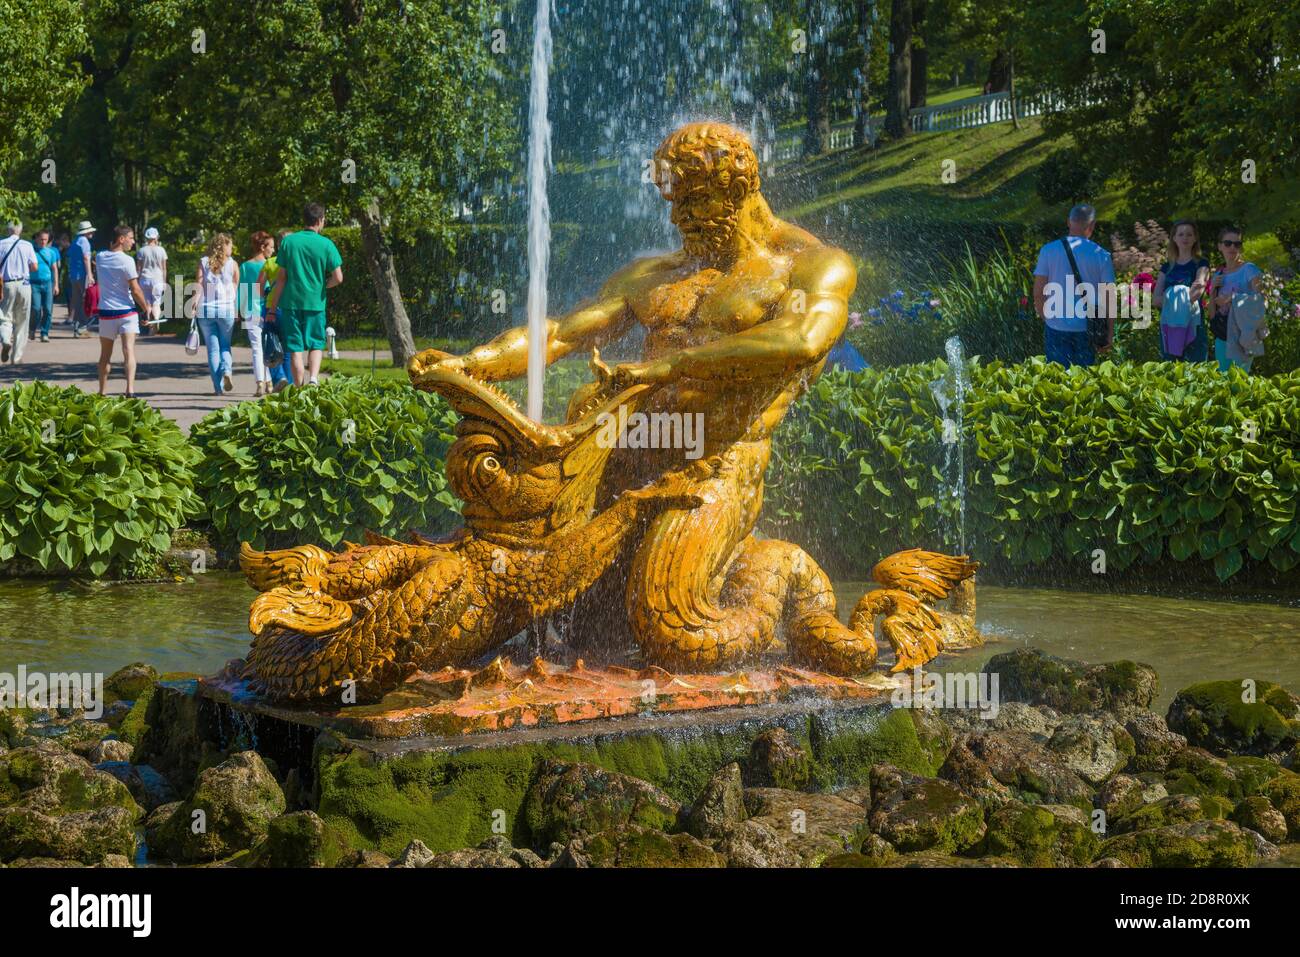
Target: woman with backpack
{"x": 1182, "y": 281}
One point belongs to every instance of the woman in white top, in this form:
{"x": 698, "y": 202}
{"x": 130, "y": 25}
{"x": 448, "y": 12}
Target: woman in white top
{"x": 151, "y": 260}
{"x": 218, "y": 277}
{"x": 120, "y": 303}
{"x": 251, "y": 305}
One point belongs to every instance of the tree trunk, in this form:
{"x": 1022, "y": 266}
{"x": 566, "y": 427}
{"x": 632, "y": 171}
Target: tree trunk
{"x": 383, "y": 273}
{"x": 999, "y": 77}
{"x": 898, "y": 96}
{"x": 1011, "y": 86}
{"x": 920, "y": 56}
{"x": 817, "y": 135}
{"x": 862, "y": 94}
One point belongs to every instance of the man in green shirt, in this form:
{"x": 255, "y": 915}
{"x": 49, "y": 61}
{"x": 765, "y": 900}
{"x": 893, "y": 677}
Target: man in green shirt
{"x": 309, "y": 264}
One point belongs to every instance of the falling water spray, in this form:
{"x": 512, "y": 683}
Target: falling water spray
{"x": 539, "y": 211}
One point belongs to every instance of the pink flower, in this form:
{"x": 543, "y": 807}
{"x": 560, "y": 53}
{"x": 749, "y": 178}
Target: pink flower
{"x": 855, "y": 320}
{"x": 1024, "y": 301}
{"x": 1144, "y": 280}
{"x": 934, "y": 303}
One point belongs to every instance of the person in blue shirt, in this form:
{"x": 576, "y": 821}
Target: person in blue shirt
{"x": 81, "y": 273}
{"x": 45, "y": 284}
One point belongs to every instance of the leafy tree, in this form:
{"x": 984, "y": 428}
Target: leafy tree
{"x": 38, "y": 48}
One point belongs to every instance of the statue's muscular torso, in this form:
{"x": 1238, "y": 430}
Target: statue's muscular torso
{"x": 682, "y": 304}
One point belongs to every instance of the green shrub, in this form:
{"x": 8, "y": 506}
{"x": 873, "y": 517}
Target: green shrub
{"x": 1065, "y": 178}
{"x": 89, "y": 483}
{"x": 325, "y": 463}
{"x": 1144, "y": 461}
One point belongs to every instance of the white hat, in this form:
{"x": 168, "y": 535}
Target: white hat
{"x": 84, "y": 227}
{"x": 151, "y": 233}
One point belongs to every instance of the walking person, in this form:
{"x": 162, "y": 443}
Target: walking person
{"x": 1235, "y": 278}
{"x": 45, "y": 285}
{"x": 261, "y": 246}
{"x": 121, "y": 302}
{"x": 309, "y": 264}
{"x": 1182, "y": 329}
{"x": 218, "y": 277}
{"x": 282, "y": 372}
{"x": 80, "y": 275}
{"x": 18, "y": 264}
{"x": 1073, "y": 280}
{"x": 151, "y": 260}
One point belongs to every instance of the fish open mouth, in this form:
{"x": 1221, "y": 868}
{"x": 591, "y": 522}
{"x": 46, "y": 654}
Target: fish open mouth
{"x": 475, "y": 398}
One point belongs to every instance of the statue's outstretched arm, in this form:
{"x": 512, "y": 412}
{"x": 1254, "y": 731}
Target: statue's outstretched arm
{"x": 590, "y": 326}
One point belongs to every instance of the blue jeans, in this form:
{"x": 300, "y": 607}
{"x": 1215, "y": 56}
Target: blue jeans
{"x": 1067, "y": 348}
{"x": 42, "y": 307}
{"x": 217, "y": 323}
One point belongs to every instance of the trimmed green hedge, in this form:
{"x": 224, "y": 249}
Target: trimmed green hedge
{"x": 88, "y": 482}
{"x": 1146, "y": 462}
{"x": 1141, "y": 461}
{"x": 325, "y": 463}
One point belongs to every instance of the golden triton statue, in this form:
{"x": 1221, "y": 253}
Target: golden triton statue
{"x": 645, "y": 546}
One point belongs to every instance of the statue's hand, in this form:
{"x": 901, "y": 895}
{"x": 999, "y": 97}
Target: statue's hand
{"x": 628, "y": 374}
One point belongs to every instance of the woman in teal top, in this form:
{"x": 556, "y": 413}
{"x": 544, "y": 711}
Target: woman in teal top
{"x": 45, "y": 284}
{"x": 261, "y": 245}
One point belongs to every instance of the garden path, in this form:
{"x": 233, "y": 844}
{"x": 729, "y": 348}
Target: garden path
{"x": 175, "y": 384}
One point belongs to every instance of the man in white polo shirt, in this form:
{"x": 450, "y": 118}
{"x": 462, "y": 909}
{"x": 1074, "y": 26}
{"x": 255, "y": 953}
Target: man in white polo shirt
{"x": 1063, "y": 302}
{"x": 17, "y": 264}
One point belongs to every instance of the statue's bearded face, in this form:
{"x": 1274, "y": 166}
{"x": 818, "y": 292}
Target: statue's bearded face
{"x": 705, "y": 214}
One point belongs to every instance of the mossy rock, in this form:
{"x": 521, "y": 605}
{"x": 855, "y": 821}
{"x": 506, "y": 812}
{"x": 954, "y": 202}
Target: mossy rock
{"x": 1196, "y": 771}
{"x": 230, "y": 810}
{"x": 300, "y": 839}
{"x": 1036, "y": 837}
{"x": 1214, "y": 715}
{"x": 1203, "y": 843}
{"x": 133, "y": 726}
{"x": 776, "y": 760}
{"x": 1259, "y": 814}
{"x": 566, "y": 800}
{"x": 917, "y": 814}
{"x": 636, "y": 846}
{"x": 130, "y": 682}
{"x": 13, "y": 725}
{"x": 1074, "y": 687}
{"x": 846, "y": 746}
{"x": 1174, "y": 809}
{"x": 1283, "y": 792}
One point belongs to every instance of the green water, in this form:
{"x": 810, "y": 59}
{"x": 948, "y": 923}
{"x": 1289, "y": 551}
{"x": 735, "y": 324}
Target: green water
{"x": 199, "y": 626}
{"x": 1185, "y": 640}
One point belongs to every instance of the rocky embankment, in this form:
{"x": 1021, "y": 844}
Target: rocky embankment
{"x": 1074, "y": 770}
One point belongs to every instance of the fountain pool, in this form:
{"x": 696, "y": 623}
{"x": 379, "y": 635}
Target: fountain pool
{"x": 197, "y": 627}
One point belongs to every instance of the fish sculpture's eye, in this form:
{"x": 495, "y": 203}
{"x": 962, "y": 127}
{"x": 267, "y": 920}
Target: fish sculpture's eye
{"x": 489, "y": 463}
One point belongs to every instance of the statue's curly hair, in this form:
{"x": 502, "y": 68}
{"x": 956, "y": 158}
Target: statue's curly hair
{"x": 707, "y": 152}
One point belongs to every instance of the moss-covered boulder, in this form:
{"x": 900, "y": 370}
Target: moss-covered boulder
{"x": 1283, "y": 792}
{"x": 230, "y": 810}
{"x": 811, "y": 827}
{"x": 1153, "y": 742}
{"x": 54, "y": 804}
{"x": 301, "y": 839}
{"x": 846, "y": 746}
{"x": 1036, "y": 836}
{"x": 776, "y": 760}
{"x": 13, "y": 726}
{"x": 1197, "y": 771}
{"x": 1203, "y": 843}
{"x": 1094, "y": 746}
{"x": 567, "y": 800}
{"x": 1237, "y": 717}
{"x": 1123, "y": 794}
{"x": 1032, "y": 676}
{"x": 720, "y": 807}
{"x": 636, "y": 846}
{"x": 998, "y": 767}
{"x": 917, "y": 814}
{"x": 1174, "y": 809}
{"x": 1259, "y": 814}
{"x": 175, "y": 732}
{"x": 130, "y": 682}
